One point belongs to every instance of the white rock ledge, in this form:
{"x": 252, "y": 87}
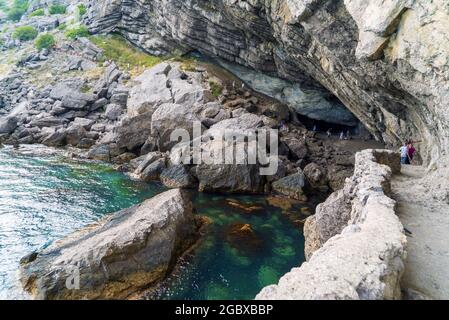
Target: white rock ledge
{"x": 365, "y": 260}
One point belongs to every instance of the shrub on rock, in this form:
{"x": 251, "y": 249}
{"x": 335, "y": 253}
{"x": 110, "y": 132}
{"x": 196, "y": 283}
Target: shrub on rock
{"x": 78, "y": 32}
{"x": 25, "y": 33}
{"x": 37, "y": 13}
{"x": 81, "y": 10}
{"x": 57, "y": 9}
{"x": 44, "y": 41}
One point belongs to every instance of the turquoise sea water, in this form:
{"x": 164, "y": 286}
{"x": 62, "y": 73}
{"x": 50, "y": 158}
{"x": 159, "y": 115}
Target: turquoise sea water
{"x": 45, "y": 196}
{"x": 229, "y": 265}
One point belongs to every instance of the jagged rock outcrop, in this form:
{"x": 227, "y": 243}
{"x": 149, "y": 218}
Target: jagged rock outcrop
{"x": 126, "y": 252}
{"x": 387, "y": 61}
{"x": 355, "y": 243}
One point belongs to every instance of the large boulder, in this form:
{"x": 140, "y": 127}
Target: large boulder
{"x": 150, "y": 90}
{"x": 170, "y": 117}
{"x": 316, "y": 175}
{"x": 298, "y": 147}
{"x": 177, "y": 176}
{"x": 292, "y": 186}
{"x": 74, "y": 134}
{"x": 8, "y": 125}
{"x": 71, "y": 95}
{"x": 55, "y": 139}
{"x": 132, "y": 132}
{"x": 235, "y": 175}
{"x": 235, "y": 178}
{"x": 246, "y": 121}
{"x": 122, "y": 254}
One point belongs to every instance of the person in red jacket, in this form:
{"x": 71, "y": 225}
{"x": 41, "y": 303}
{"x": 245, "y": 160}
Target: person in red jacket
{"x": 411, "y": 151}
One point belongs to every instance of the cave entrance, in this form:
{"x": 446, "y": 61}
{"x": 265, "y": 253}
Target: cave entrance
{"x": 323, "y": 126}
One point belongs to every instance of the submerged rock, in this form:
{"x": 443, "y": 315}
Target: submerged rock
{"x": 122, "y": 254}
{"x": 243, "y": 237}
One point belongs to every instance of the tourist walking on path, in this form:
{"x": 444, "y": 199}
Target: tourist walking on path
{"x": 329, "y": 133}
{"x": 342, "y": 135}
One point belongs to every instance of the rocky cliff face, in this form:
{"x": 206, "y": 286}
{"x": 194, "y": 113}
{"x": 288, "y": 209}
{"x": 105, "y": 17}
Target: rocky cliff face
{"x": 387, "y": 61}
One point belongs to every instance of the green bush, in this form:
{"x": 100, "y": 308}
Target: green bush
{"x": 44, "y": 41}
{"x": 81, "y": 10}
{"x": 62, "y": 26}
{"x": 78, "y": 32}
{"x": 24, "y": 33}
{"x": 215, "y": 88}
{"x": 37, "y": 13}
{"x": 57, "y": 9}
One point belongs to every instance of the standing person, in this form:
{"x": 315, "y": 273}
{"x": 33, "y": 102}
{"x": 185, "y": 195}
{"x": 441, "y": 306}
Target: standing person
{"x": 411, "y": 152}
{"x": 329, "y": 133}
{"x": 348, "y": 135}
{"x": 404, "y": 154}
{"x": 314, "y": 128}
{"x": 342, "y": 135}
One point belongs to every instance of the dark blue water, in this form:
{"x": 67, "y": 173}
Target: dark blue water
{"x": 45, "y": 196}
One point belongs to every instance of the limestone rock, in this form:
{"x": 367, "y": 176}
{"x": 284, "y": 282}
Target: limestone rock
{"x": 316, "y": 175}
{"x": 133, "y": 131}
{"x": 122, "y": 254}
{"x": 168, "y": 118}
{"x": 292, "y": 186}
{"x": 150, "y": 90}
{"x": 8, "y": 125}
{"x": 177, "y": 176}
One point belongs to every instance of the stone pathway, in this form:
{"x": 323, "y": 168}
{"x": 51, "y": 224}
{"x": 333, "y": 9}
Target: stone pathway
{"x": 427, "y": 266}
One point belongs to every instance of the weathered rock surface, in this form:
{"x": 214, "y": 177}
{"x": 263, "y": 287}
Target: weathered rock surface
{"x": 170, "y": 117}
{"x": 126, "y": 252}
{"x": 355, "y": 243}
{"x": 292, "y": 186}
{"x": 177, "y": 176}
{"x": 8, "y": 125}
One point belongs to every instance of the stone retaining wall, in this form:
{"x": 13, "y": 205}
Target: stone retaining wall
{"x": 355, "y": 243}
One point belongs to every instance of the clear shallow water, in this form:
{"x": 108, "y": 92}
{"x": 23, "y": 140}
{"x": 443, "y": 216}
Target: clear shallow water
{"x": 231, "y": 265}
{"x": 44, "y": 196}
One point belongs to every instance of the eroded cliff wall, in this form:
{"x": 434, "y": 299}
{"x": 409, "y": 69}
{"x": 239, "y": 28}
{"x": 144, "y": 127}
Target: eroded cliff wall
{"x": 387, "y": 61}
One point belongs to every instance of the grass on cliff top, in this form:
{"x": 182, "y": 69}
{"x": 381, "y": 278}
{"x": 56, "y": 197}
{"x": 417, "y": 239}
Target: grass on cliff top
{"x": 116, "y": 48}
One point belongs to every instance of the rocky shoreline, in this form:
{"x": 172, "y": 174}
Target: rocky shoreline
{"x": 117, "y": 257}
{"x": 345, "y": 64}
{"x": 127, "y": 121}
{"x": 355, "y": 243}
